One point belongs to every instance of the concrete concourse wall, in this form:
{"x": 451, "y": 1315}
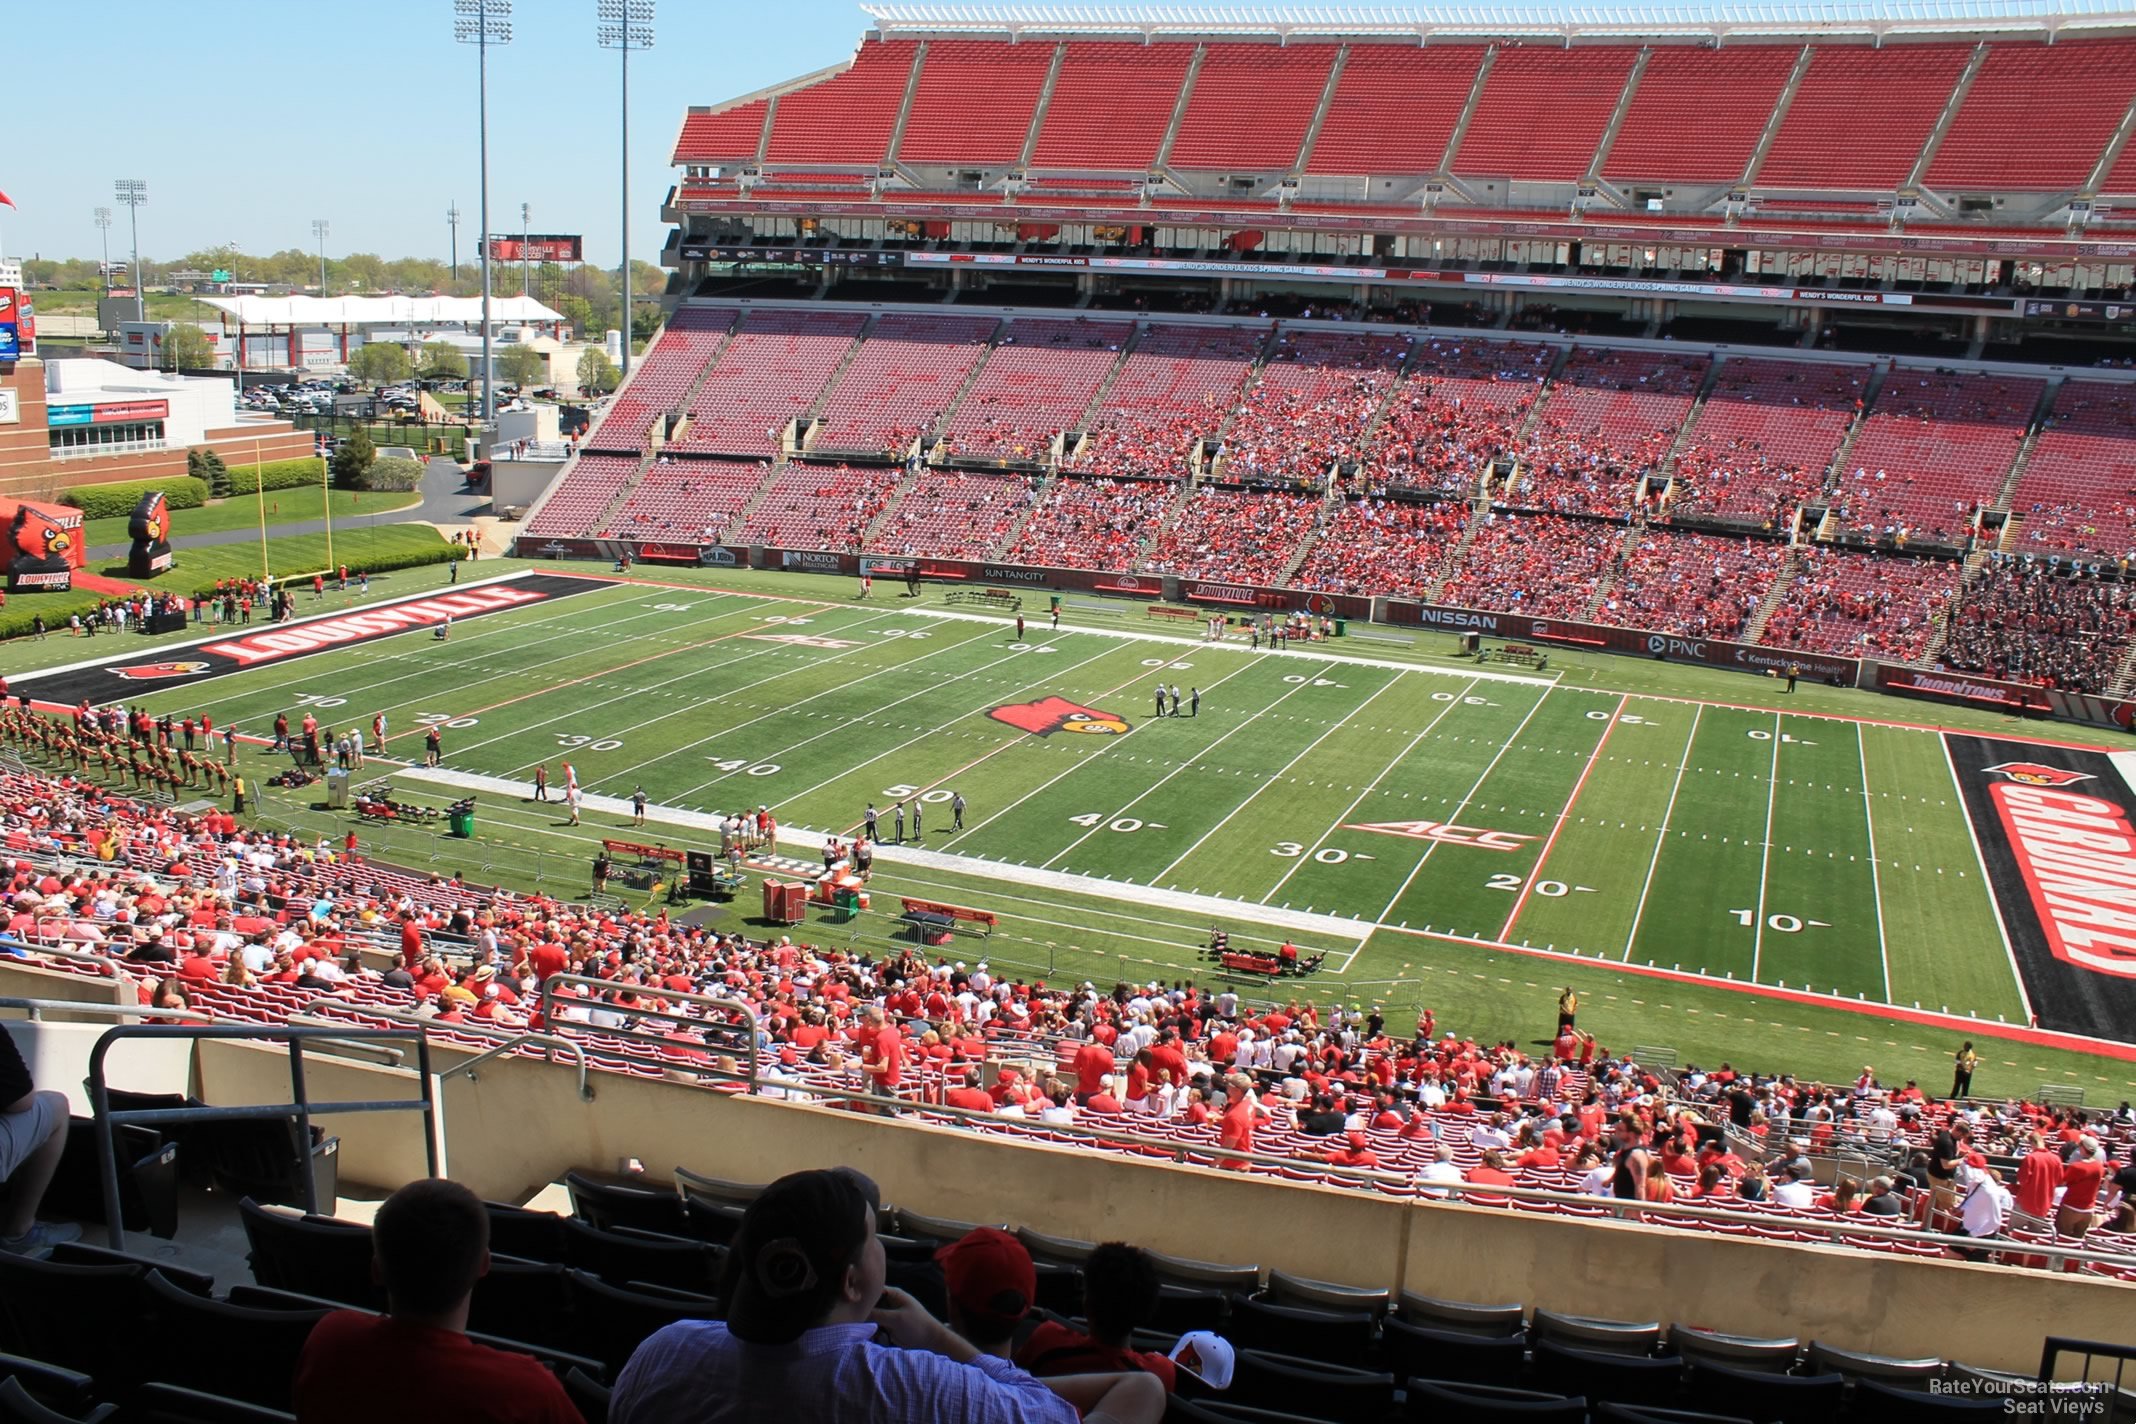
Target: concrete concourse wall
{"x": 1854, "y": 1299}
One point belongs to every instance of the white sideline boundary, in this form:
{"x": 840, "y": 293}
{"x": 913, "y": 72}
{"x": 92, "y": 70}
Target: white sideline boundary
{"x": 1217, "y": 906}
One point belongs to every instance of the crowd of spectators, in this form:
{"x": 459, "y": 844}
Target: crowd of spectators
{"x": 1383, "y": 546}
{"x": 818, "y": 507}
{"x": 2028, "y": 620}
{"x": 1309, "y": 407}
{"x": 1453, "y": 417}
{"x": 1235, "y": 536}
{"x": 1173, "y": 390}
{"x": 1541, "y": 564}
{"x": 1092, "y": 523}
{"x": 1611, "y": 418}
{"x": 954, "y": 514}
{"x": 1863, "y": 605}
{"x": 1765, "y": 439}
{"x": 1698, "y": 585}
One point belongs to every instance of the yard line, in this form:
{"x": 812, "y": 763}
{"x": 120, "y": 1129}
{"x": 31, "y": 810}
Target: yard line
{"x": 1507, "y": 745}
{"x": 615, "y": 777}
{"x": 849, "y": 723}
{"x": 1080, "y": 762}
{"x": 1143, "y": 795}
{"x": 1660, "y": 835}
{"x": 589, "y": 677}
{"x": 1876, "y": 884}
{"x": 1765, "y": 860}
{"x": 1563, "y": 816}
{"x": 1370, "y": 787}
{"x": 1271, "y": 781}
{"x": 1965, "y": 814}
{"x": 936, "y": 730}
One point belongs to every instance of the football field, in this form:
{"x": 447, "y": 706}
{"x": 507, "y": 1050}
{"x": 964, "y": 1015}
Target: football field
{"x": 1392, "y": 814}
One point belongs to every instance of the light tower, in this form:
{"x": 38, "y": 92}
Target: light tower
{"x": 452, "y": 221}
{"x": 483, "y": 23}
{"x": 319, "y": 231}
{"x": 102, "y": 218}
{"x": 625, "y": 25}
{"x": 133, "y": 192}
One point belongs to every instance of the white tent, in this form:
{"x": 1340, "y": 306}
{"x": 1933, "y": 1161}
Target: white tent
{"x": 332, "y": 312}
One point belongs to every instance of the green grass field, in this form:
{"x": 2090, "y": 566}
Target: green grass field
{"x": 288, "y": 506}
{"x": 1429, "y": 825}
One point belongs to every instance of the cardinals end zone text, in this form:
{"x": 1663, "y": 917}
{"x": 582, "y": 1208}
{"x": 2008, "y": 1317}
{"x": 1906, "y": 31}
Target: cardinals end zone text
{"x": 2077, "y": 855}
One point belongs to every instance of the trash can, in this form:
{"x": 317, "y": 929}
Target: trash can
{"x": 1342, "y": 626}
{"x": 462, "y": 823}
{"x": 337, "y": 790}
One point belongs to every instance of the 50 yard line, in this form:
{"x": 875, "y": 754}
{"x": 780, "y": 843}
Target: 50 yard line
{"x": 1876, "y": 885}
{"x": 1668, "y": 811}
{"x": 1765, "y": 859}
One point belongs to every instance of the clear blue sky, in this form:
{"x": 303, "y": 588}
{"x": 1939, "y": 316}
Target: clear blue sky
{"x": 249, "y": 118}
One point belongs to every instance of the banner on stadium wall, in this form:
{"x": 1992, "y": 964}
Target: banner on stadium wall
{"x": 538, "y": 247}
{"x": 2018, "y": 697}
{"x": 1669, "y": 647}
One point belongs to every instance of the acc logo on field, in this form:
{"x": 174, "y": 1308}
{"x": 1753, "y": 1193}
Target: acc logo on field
{"x": 799, "y": 640}
{"x": 2034, "y": 774}
{"x": 1057, "y": 714}
{"x": 1445, "y": 833}
{"x": 144, "y": 672}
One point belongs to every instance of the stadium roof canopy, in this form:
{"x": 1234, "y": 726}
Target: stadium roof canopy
{"x": 379, "y": 311}
{"x": 1871, "y": 19}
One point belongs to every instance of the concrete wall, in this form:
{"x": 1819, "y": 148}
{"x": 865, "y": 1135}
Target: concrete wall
{"x": 1885, "y": 1304}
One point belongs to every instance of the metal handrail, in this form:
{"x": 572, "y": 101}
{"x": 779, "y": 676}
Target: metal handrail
{"x": 551, "y": 1040}
{"x": 748, "y": 1023}
{"x": 299, "y": 1109}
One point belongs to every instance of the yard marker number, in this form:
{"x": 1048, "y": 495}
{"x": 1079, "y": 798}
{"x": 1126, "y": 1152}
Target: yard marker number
{"x": 1090, "y": 821}
{"x": 313, "y": 699}
{"x": 1550, "y": 889}
{"x": 433, "y": 719}
{"x": 1785, "y": 924}
{"x": 740, "y": 764}
{"x": 575, "y": 743}
{"x": 936, "y": 797}
{"x": 1326, "y": 855}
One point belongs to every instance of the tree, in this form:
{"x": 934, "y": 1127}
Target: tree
{"x": 577, "y": 313}
{"x": 521, "y": 365}
{"x": 206, "y": 466}
{"x": 186, "y": 348}
{"x": 442, "y": 360}
{"x": 354, "y": 458}
{"x": 379, "y": 363}
{"x": 597, "y": 375}
{"x": 392, "y": 474}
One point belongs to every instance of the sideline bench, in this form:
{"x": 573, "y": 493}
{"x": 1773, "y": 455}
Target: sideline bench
{"x": 935, "y": 917}
{"x": 985, "y": 598}
{"x": 1519, "y": 654}
{"x": 1158, "y": 610}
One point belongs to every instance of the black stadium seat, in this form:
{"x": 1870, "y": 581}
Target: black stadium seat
{"x": 717, "y": 1188}
{"x": 42, "y": 1304}
{"x": 1414, "y": 1352}
{"x": 1441, "y": 1402}
{"x": 622, "y": 1256}
{"x": 1340, "y": 1338}
{"x": 170, "y": 1404}
{"x": 1744, "y": 1352}
{"x": 1607, "y": 1413}
{"x": 1857, "y": 1366}
{"x": 1289, "y": 1384}
{"x": 529, "y": 1235}
{"x": 524, "y": 1300}
{"x": 709, "y": 1219}
{"x": 1586, "y": 1332}
{"x": 1436, "y": 1314}
{"x": 19, "y": 1406}
{"x": 1182, "y": 1308}
{"x": 1287, "y": 1289}
{"x": 55, "y": 1386}
{"x": 608, "y": 1205}
{"x": 312, "y": 1256}
{"x": 1600, "y": 1375}
{"x": 612, "y": 1321}
{"x": 589, "y": 1394}
{"x": 82, "y": 1253}
{"x": 1204, "y": 1275}
{"x": 191, "y": 1343}
{"x": 1054, "y": 1248}
{"x": 1763, "y": 1397}
{"x": 1876, "y": 1402}
{"x": 1181, "y": 1410}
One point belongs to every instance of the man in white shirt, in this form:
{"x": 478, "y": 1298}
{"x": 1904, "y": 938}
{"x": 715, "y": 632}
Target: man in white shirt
{"x": 1986, "y": 1203}
{"x": 1441, "y": 1169}
{"x": 1491, "y": 1133}
{"x": 1792, "y": 1191}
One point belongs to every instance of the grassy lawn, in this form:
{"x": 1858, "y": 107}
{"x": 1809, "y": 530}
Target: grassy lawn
{"x": 161, "y": 306}
{"x": 287, "y": 506}
{"x": 288, "y": 556}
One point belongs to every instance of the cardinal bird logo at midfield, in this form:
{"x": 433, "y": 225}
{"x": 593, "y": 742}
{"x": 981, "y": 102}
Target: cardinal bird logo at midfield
{"x": 149, "y": 672}
{"x": 2034, "y": 774}
{"x": 1057, "y": 714}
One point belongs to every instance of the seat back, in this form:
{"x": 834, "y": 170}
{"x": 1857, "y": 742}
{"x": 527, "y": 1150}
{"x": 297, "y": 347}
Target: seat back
{"x": 1287, "y": 1289}
{"x": 311, "y": 1256}
{"x": 69, "y": 1391}
{"x": 1436, "y": 1314}
{"x": 620, "y": 1257}
{"x": 170, "y": 1404}
{"x": 1055, "y": 1248}
{"x": 191, "y": 1344}
{"x": 524, "y": 1300}
{"x": 717, "y": 1188}
{"x": 19, "y": 1406}
{"x": 42, "y": 1305}
{"x": 1292, "y": 1385}
{"x": 528, "y": 1235}
{"x": 1586, "y": 1332}
{"x": 710, "y": 1219}
{"x": 612, "y": 1321}
{"x": 1338, "y": 1337}
{"x": 1889, "y": 1403}
{"x": 1600, "y": 1375}
{"x": 608, "y": 1205}
{"x": 1744, "y": 1352}
{"x": 1608, "y": 1412}
{"x": 1441, "y": 1402}
{"x": 1184, "y": 1308}
{"x": 82, "y": 1253}
{"x": 588, "y": 1394}
{"x": 1763, "y": 1397}
{"x": 1184, "y": 1271}
{"x": 1828, "y": 1359}
{"x": 1415, "y": 1352}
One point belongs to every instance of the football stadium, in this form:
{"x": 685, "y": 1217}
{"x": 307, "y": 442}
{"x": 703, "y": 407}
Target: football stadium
{"x": 1351, "y": 714}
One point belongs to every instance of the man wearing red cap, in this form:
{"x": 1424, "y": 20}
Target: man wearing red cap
{"x": 1356, "y": 1151}
{"x": 991, "y": 1285}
